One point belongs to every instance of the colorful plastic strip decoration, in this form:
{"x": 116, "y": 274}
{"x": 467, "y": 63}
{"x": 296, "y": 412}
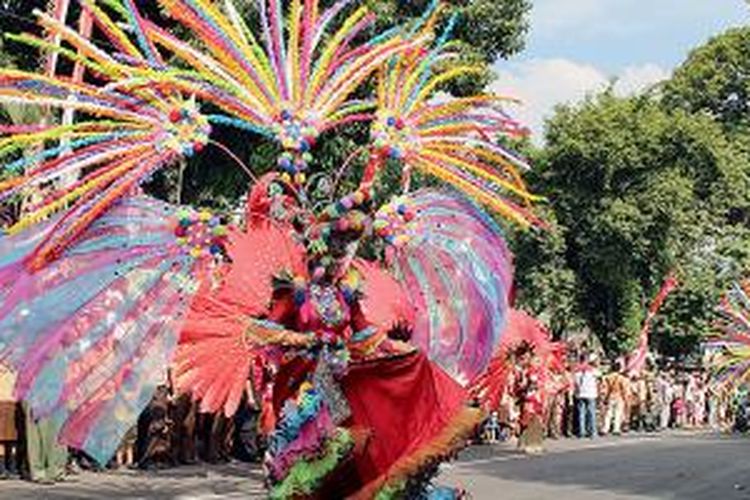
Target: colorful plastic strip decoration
{"x": 730, "y": 362}
{"x": 636, "y": 361}
{"x": 453, "y": 261}
{"x": 453, "y": 139}
{"x": 92, "y": 333}
{"x": 129, "y": 133}
{"x": 360, "y": 366}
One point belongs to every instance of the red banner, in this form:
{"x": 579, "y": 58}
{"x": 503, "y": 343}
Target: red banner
{"x": 637, "y": 359}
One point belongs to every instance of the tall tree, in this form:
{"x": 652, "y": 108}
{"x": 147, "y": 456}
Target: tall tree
{"x": 715, "y": 79}
{"x": 545, "y": 285}
{"x": 641, "y": 191}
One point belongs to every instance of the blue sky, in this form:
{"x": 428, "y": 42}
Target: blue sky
{"x": 576, "y": 46}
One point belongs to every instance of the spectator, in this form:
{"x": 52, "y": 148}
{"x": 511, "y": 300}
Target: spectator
{"x": 741, "y": 418}
{"x": 125, "y": 455}
{"x": 664, "y": 396}
{"x": 678, "y": 406}
{"x": 9, "y": 437}
{"x": 617, "y": 388}
{"x": 558, "y": 388}
{"x": 653, "y": 408}
{"x": 247, "y": 442}
{"x": 154, "y": 432}
{"x": 638, "y": 401}
{"x": 568, "y": 418}
{"x": 714, "y": 407}
{"x": 47, "y": 458}
{"x": 216, "y": 437}
{"x": 492, "y": 428}
{"x": 700, "y": 404}
{"x": 586, "y": 378}
{"x": 184, "y": 415}
{"x": 691, "y": 389}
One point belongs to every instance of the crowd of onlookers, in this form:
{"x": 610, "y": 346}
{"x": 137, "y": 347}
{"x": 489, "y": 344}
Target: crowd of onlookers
{"x": 584, "y": 399}
{"x": 589, "y": 398}
{"x": 170, "y": 431}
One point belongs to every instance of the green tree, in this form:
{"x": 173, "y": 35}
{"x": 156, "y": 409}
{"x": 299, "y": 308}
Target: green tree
{"x": 545, "y": 285}
{"x": 17, "y": 16}
{"x": 641, "y": 190}
{"x": 715, "y": 80}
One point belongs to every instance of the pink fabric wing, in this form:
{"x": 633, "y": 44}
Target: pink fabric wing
{"x": 385, "y": 302}
{"x": 458, "y": 273}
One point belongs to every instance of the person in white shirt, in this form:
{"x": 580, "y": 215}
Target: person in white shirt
{"x": 665, "y": 395}
{"x": 586, "y": 380}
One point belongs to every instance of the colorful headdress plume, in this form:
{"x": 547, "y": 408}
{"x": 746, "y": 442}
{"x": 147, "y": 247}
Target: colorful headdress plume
{"x": 731, "y": 363}
{"x": 294, "y": 83}
{"x": 123, "y": 137}
{"x": 453, "y": 139}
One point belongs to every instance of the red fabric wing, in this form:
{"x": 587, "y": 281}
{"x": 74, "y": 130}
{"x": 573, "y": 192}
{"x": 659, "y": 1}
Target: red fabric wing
{"x": 213, "y": 357}
{"x": 405, "y": 403}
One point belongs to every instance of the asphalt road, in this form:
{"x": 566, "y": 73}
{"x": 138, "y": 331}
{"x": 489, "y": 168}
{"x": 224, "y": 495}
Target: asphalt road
{"x": 675, "y": 466}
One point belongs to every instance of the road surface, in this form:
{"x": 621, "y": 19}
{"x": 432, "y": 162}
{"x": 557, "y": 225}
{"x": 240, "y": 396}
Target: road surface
{"x": 673, "y": 466}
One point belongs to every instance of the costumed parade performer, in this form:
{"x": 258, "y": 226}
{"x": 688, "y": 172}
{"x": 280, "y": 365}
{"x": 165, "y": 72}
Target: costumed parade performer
{"x": 103, "y": 287}
{"x": 527, "y": 371}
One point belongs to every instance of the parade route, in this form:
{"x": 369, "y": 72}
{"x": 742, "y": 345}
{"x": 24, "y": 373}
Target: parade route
{"x": 682, "y": 465}
{"x": 685, "y": 466}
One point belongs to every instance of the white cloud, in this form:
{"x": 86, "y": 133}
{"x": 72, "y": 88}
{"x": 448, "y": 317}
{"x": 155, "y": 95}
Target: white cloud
{"x": 635, "y": 79}
{"x": 541, "y": 84}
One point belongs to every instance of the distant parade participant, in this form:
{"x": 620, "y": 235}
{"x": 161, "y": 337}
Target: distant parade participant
{"x": 530, "y": 393}
{"x": 558, "y": 388}
{"x": 617, "y": 387}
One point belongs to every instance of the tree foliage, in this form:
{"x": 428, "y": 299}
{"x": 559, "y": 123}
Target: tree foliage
{"x": 545, "y": 285}
{"x": 715, "y": 79}
{"x": 643, "y": 190}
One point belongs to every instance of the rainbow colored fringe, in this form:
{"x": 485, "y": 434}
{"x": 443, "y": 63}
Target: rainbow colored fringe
{"x": 306, "y": 446}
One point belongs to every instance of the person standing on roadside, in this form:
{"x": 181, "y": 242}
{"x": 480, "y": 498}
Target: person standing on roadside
{"x": 586, "y": 378}
{"x": 9, "y": 435}
{"x": 664, "y": 395}
{"x": 617, "y": 386}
